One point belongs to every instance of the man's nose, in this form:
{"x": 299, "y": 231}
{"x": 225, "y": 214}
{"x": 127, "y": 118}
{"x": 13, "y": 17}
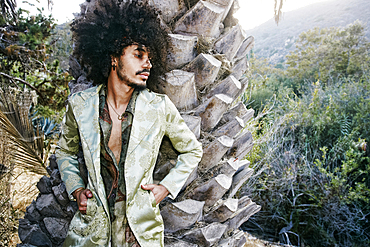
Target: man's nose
{"x": 148, "y": 64}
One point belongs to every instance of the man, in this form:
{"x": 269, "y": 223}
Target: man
{"x": 120, "y": 126}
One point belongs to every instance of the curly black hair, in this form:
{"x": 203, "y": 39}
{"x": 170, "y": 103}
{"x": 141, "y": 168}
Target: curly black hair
{"x": 111, "y": 27}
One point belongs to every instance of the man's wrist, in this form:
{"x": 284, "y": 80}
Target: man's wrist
{"x": 74, "y": 193}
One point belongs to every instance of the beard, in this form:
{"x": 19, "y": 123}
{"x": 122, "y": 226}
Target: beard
{"x": 122, "y": 75}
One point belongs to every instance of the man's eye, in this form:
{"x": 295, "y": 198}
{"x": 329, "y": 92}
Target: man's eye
{"x": 138, "y": 55}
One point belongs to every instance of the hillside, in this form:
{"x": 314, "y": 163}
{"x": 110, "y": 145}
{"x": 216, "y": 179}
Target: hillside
{"x": 275, "y": 41}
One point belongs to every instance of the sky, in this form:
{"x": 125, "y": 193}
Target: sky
{"x": 252, "y": 13}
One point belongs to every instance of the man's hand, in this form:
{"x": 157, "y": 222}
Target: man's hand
{"x": 159, "y": 191}
{"x": 81, "y": 196}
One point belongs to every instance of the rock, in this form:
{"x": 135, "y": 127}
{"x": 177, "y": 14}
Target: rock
{"x": 81, "y": 84}
{"x": 169, "y": 8}
{"x": 229, "y": 86}
{"x": 237, "y": 239}
{"x": 179, "y": 86}
{"x": 52, "y": 164}
{"x": 222, "y": 212}
{"x": 230, "y": 43}
{"x": 212, "y": 190}
{"x": 239, "y": 179}
{"x": 242, "y": 215}
{"x": 240, "y": 68}
{"x": 71, "y": 209}
{"x": 242, "y": 145}
{"x": 32, "y": 214}
{"x": 205, "y": 67}
{"x": 206, "y": 236}
{"x": 212, "y": 110}
{"x": 182, "y": 50}
{"x": 181, "y": 215}
{"x": 44, "y": 185}
{"x": 61, "y": 194}
{"x": 245, "y": 48}
{"x": 214, "y": 152}
{"x": 231, "y": 129}
{"x": 57, "y": 228}
{"x": 74, "y": 67}
{"x": 32, "y": 234}
{"x": 204, "y": 18}
{"x": 25, "y": 245}
{"x": 48, "y": 206}
{"x": 193, "y": 122}
{"x": 55, "y": 178}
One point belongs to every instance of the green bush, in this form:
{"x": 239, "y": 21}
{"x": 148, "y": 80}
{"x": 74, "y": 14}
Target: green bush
{"x": 312, "y": 175}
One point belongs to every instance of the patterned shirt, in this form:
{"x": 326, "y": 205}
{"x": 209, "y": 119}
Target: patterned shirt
{"x": 113, "y": 173}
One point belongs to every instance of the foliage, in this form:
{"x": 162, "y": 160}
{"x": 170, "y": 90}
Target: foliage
{"x": 311, "y": 161}
{"x": 24, "y": 54}
{"x": 330, "y": 53}
{"x": 26, "y": 144}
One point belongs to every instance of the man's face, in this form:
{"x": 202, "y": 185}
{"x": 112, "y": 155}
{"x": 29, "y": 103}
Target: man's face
{"x": 134, "y": 66}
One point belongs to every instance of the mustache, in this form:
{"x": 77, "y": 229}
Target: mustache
{"x": 142, "y": 71}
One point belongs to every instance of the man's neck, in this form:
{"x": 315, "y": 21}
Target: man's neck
{"x": 118, "y": 93}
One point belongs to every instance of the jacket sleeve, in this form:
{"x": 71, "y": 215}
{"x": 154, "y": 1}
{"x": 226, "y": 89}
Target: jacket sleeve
{"x": 185, "y": 142}
{"x": 66, "y": 152}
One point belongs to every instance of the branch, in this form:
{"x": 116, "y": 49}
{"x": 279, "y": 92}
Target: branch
{"x": 22, "y": 81}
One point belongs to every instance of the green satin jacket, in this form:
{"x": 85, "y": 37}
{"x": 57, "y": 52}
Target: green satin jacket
{"x": 155, "y": 116}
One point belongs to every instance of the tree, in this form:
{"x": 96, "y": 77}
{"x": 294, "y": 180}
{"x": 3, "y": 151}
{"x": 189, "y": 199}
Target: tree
{"x": 330, "y": 53}
{"x": 24, "y": 53}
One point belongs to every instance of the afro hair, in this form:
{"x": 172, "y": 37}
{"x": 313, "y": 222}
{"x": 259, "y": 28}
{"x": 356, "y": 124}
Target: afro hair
{"x": 110, "y": 27}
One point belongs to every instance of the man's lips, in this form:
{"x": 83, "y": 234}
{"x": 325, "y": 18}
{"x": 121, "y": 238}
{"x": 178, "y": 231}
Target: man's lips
{"x": 144, "y": 75}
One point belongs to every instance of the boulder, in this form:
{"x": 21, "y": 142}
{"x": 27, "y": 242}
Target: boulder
{"x": 44, "y": 185}
{"x": 61, "y": 194}
{"x": 32, "y": 234}
{"x": 48, "y": 206}
{"x": 57, "y": 228}
{"x": 32, "y": 214}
